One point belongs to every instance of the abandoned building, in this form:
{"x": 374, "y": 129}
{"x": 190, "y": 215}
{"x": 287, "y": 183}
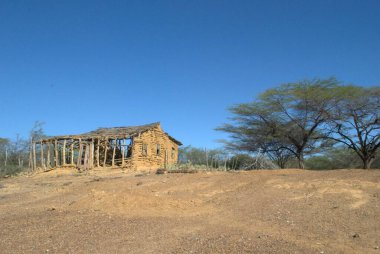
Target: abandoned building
{"x": 142, "y": 147}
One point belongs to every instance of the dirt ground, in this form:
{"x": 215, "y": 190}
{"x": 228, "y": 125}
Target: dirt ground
{"x": 268, "y": 211}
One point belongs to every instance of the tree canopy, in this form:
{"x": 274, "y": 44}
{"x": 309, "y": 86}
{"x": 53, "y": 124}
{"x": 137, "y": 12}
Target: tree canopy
{"x": 298, "y": 119}
{"x": 355, "y": 121}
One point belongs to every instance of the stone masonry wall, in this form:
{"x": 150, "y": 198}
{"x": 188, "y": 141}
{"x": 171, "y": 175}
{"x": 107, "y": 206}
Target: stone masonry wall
{"x": 153, "y": 159}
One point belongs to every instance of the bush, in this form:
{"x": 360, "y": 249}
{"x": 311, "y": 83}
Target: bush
{"x": 11, "y": 170}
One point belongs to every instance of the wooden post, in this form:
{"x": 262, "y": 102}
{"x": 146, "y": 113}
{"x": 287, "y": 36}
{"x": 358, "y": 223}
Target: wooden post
{"x": 42, "y": 155}
{"x": 114, "y": 152}
{"x": 86, "y": 156}
{"x": 34, "y": 156}
{"x": 105, "y": 151}
{"x": 97, "y": 153}
{"x": 72, "y": 152}
{"x": 92, "y": 154}
{"x": 48, "y": 155}
{"x": 122, "y": 152}
{"x": 64, "y": 153}
{"x": 79, "y": 161}
{"x": 56, "y": 153}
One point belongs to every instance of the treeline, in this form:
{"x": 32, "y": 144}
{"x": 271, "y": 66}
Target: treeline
{"x": 220, "y": 159}
{"x": 306, "y": 121}
{"x": 14, "y": 153}
{"x": 338, "y": 158}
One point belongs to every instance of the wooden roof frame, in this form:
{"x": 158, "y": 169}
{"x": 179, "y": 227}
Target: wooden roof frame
{"x": 111, "y": 132}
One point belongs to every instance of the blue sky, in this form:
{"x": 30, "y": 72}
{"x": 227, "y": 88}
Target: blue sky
{"x": 79, "y": 65}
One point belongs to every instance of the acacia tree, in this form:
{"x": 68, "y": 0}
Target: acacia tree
{"x": 355, "y": 121}
{"x": 284, "y": 120}
{"x": 258, "y": 134}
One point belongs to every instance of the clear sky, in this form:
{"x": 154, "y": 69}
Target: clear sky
{"x": 79, "y": 65}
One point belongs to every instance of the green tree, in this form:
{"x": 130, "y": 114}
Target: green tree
{"x": 355, "y": 121}
{"x": 284, "y": 120}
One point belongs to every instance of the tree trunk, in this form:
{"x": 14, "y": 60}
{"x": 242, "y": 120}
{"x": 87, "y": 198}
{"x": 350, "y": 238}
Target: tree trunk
{"x": 281, "y": 163}
{"x": 301, "y": 161}
{"x": 367, "y": 162}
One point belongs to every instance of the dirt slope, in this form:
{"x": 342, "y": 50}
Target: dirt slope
{"x": 281, "y": 211}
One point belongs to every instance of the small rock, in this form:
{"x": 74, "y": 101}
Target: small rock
{"x": 356, "y": 235}
{"x": 161, "y": 171}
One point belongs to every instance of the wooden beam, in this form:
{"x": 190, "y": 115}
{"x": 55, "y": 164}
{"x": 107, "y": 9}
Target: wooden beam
{"x": 42, "y": 155}
{"x": 79, "y": 161}
{"x": 56, "y": 153}
{"x": 114, "y": 152}
{"x": 122, "y": 152}
{"x": 92, "y": 154}
{"x": 64, "y": 153}
{"x": 48, "y": 155}
{"x": 86, "y": 156}
{"x": 97, "y": 153}
{"x": 72, "y": 153}
{"x": 105, "y": 152}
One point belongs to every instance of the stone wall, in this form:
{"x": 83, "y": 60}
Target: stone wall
{"x": 159, "y": 150}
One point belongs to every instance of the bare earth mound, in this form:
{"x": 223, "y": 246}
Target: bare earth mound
{"x": 280, "y": 211}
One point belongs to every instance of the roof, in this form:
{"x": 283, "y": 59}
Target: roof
{"x": 126, "y": 130}
{"x": 115, "y": 132}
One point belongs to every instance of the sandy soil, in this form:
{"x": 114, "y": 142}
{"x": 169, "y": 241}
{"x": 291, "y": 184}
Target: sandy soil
{"x": 279, "y": 211}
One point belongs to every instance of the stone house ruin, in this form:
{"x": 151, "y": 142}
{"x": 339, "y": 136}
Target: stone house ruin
{"x": 142, "y": 147}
